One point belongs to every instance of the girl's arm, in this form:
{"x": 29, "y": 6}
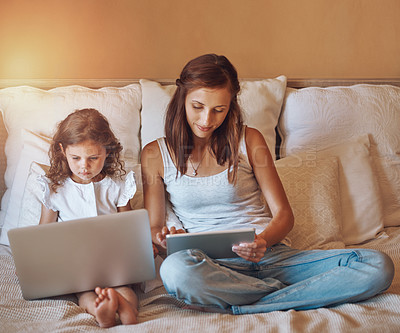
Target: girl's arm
{"x": 47, "y": 215}
{"x": 153, "y": 191}
{"x": 267, "y": 177}
{"x": 124, "y": 208}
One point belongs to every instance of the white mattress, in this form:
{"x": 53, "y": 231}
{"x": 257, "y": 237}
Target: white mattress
{"x": 160, "y": 312}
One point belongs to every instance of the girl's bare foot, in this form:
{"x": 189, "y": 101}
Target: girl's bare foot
{"x": 127, "y": 311}
{"x": 106, "y": 307}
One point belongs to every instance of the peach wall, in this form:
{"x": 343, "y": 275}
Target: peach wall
{"x": 154, "y": 38}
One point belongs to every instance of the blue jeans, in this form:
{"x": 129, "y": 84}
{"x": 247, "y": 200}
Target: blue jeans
{"x": 284, "y": 279}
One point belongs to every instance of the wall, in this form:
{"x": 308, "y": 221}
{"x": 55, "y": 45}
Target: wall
{"x": 155, "y": 38}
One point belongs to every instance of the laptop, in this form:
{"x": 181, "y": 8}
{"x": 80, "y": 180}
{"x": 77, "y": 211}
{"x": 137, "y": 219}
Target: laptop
{"x": 216, "y": 244}
{"x": 78, "y": 255}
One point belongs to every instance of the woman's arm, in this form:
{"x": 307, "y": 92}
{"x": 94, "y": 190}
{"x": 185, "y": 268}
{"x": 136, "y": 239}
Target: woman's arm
{"x": 153, "y": 189}
{"x": 267, "y": 177}
{"x": 47, "y": 215}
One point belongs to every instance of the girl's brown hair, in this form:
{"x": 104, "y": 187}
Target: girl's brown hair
{"x": 79, "y": 126}
{"x": 206, "y": 71}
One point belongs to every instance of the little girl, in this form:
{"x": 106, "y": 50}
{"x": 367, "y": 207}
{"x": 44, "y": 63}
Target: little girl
{"x": 84, "y": 180}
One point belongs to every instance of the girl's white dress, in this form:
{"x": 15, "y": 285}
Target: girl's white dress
{"x": 73, "y": 200}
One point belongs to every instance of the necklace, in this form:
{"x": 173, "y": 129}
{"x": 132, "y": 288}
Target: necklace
{"x": 194, "y": 174}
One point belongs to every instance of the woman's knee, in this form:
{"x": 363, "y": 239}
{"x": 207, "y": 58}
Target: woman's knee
{"x": 384, "y": 269}
{"x": 181, "y": 268}
{"x": 387, "y": 270}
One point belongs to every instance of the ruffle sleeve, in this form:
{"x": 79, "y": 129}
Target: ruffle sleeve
{"x": 45, "y": 196}
{"x": 128, "y": 189}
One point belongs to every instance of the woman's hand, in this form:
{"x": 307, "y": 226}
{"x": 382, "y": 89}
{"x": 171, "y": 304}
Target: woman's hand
{"x": 162, "y": 235}
{"x": 251, "y": 251}
{"x": 155, "y": 251}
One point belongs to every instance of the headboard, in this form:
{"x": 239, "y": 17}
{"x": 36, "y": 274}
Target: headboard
{"x": 98, "y": 83}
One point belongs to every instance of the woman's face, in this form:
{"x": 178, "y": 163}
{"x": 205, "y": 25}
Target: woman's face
{"x": 206, "y": 109}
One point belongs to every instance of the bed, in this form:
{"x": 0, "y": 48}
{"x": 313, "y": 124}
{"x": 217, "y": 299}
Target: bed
{"x": 337, "y": 147}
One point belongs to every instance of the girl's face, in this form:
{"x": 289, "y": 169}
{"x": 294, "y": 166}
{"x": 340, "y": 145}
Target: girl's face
{"x": 206, "y": 109}
{"x": 86, "y": 160}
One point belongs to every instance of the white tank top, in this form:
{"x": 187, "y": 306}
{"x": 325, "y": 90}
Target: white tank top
{"x": 212, "y": 203}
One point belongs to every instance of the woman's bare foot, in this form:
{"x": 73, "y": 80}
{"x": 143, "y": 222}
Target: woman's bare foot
{"x": 106, "y": 306}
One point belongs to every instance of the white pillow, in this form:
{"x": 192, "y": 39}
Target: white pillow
{"x": 35, "y": 148}
{"x": 313, "y": 193}
{"x": 40, "y": 110}
{"x": 3, "y": 161}
{"x": 155, "y": 100}
{"x": 362, "y": 215}
{"x": 315, "y": 118}
{"x": 25, "y": 200}
{"x": 31, "y": 199}
{"x": 261, "y": 102}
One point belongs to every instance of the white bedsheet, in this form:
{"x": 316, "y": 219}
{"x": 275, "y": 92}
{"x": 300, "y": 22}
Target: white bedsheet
{"x": 160, "y": 312}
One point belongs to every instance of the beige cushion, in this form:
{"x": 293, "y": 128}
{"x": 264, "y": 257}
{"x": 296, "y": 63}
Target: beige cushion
{"x": 362, "y": 216}
{"x": 313, "y": 193}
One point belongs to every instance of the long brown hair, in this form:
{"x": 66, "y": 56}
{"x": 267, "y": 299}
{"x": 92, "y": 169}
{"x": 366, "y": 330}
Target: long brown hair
{"x": 79, "y": 126}
{"x": 206, "y": 71}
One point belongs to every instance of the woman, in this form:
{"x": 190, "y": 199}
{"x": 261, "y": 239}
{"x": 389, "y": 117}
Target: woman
{"x": 214, "y": 171}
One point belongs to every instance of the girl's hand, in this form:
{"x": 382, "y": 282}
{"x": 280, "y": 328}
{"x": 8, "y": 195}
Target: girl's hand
{"x": 251, "y": 251}
{"x": 161, "y": 236}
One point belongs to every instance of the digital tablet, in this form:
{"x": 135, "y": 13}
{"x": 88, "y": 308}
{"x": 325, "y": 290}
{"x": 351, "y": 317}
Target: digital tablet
{"x": 216, "y": 244}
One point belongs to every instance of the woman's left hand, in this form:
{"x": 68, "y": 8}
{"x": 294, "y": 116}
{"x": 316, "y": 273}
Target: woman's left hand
{"x": 251, "y": 251}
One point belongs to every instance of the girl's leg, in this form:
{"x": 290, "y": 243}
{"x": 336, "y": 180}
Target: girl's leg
{"x": 105, "y": 314}
{"x": 284, "y": 279}
{"x": 128, "y": 305}
{"x": 105, "y": 303}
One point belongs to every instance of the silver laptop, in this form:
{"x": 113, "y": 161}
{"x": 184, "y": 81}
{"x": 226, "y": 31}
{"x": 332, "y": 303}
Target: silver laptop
{"x": 73, "y": 256}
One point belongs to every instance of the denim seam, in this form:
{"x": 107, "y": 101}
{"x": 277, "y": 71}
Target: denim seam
{"x": 236, "y": 309}
{"x": 277, "y": 265}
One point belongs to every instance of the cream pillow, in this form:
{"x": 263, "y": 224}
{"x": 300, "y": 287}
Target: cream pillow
{"x": 316, "y": 118}
{"x": 25, "y": 200}
{"x": 261, "y": 102}
{"x": 35, "y": 148}
{"x": 313, "y": 193}
{"x": 40, "y": 110}
{"x": 31, "y": 199}
{"x": 155, "y": 100}
{"x": 362, "y": 216}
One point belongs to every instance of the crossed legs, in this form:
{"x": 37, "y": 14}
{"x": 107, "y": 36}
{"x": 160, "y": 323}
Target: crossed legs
{"x": 284, "y": 279}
